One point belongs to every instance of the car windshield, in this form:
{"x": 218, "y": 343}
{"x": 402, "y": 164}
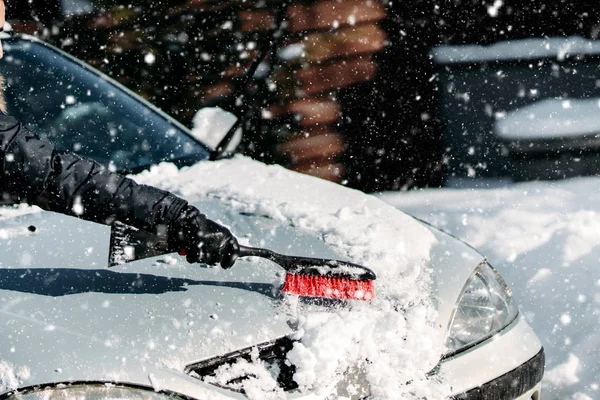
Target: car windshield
{"x": 82, "y": 111}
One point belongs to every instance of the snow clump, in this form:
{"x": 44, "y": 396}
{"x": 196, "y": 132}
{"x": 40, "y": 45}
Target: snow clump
{"x": 391, "y": 342}
{"x": 12, "y": 377}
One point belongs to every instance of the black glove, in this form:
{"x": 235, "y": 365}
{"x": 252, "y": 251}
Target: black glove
{"x": 202, "y": 240}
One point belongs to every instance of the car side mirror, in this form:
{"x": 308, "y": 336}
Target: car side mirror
{"x": 211, "y": 125}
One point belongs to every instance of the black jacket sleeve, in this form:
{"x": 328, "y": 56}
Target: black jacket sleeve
{"x": 33, "y": 171}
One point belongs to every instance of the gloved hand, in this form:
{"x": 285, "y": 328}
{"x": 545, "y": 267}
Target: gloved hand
{"x": 202, "y": 240}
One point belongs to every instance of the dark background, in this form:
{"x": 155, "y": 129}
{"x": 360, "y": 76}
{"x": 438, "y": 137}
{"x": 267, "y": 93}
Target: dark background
{"x": 398, "y": 131}
{"x": 391, "y": 124}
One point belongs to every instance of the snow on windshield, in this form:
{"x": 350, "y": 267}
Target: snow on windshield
{"x": 392, "y": 338}
{"x": 551, "y": 119}
{"x": 531, "y": 48}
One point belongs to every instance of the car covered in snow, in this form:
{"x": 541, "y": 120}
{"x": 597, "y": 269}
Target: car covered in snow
{"x": 443, "y": 323}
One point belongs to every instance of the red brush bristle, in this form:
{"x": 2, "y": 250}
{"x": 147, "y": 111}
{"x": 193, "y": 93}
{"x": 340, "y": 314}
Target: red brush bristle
{"x": 329, "y": 287}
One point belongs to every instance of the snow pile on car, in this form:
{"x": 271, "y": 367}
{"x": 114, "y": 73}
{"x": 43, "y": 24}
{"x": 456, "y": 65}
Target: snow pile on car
{"x": 390, "y": 343}
{"x": 11, "y": 376}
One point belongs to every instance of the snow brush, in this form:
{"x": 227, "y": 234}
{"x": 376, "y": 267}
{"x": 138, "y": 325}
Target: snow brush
{"x": 305, "y": 277}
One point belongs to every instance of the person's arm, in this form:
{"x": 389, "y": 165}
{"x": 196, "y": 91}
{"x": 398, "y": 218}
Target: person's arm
{"x": 33, "y": 171}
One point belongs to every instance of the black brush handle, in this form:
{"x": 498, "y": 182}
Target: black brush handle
{"x": 310, "y": 266}
{"x": 237, "y": 250}
{"x": 247, "y": 251}
{"x": 145, "y": 245}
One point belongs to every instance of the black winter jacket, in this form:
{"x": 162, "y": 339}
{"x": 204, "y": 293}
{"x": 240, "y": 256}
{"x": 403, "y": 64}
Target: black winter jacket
{"x": 33, "y": 171}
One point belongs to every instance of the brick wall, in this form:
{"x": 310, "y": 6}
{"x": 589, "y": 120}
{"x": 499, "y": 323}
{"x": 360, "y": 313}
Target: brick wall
{"x": 184, "y": 55}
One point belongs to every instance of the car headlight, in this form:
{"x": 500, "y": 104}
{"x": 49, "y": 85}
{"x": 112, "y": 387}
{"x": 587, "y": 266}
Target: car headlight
{"x": 485, "y": 306}
{"x": 89, "y": 392}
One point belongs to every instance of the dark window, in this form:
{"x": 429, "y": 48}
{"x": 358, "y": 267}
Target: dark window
{"x": 82, "y": 111}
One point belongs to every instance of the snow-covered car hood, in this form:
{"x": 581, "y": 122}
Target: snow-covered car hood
{"x": 66, "y": 317}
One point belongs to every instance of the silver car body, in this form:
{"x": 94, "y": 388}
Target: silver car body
{"x": 67, "y": 318}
